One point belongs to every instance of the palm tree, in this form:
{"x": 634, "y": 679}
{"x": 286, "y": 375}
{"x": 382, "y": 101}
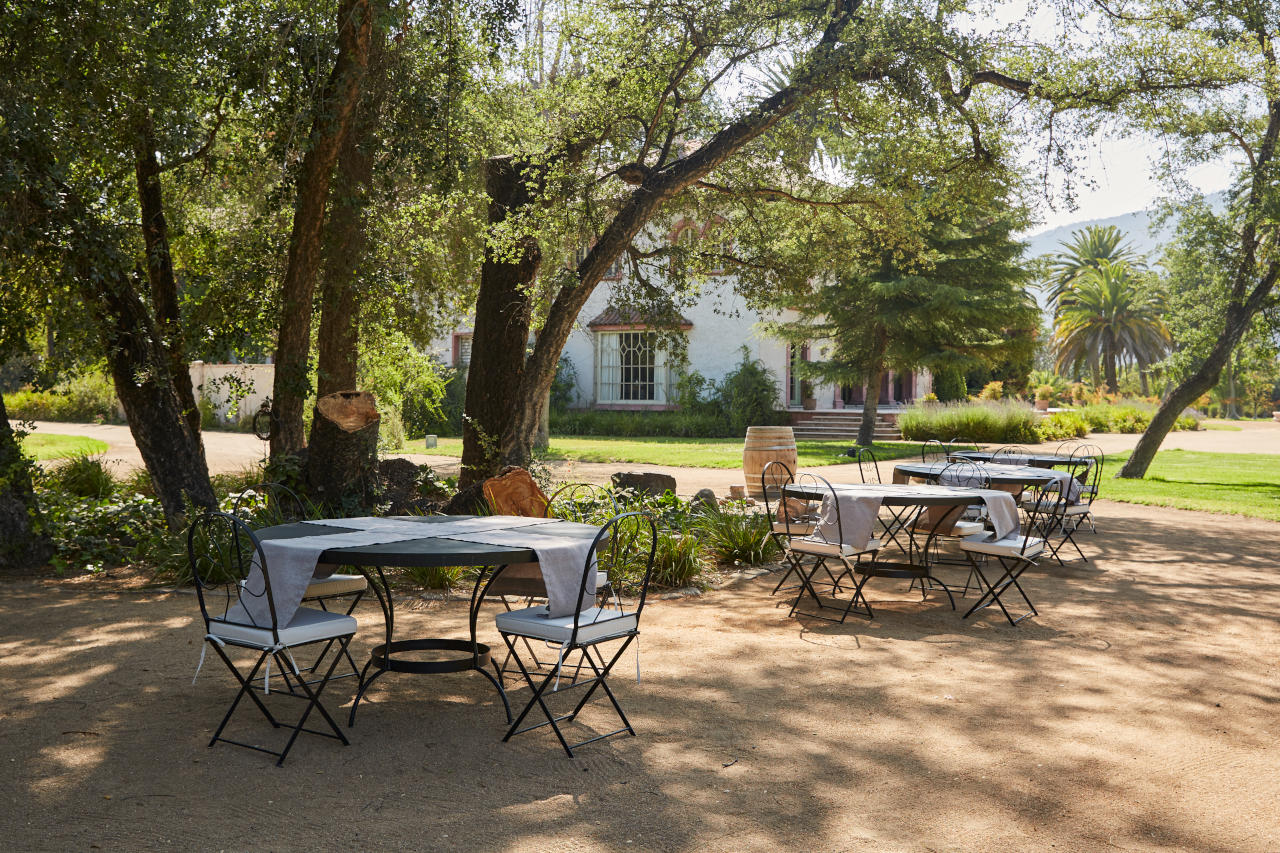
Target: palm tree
{"x": 1112, "y": 318}
{"x": 1086, "y": 250}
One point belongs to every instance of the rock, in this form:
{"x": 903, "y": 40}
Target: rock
{"x": 644, "y": 482}
{"x": 706, "y": 497}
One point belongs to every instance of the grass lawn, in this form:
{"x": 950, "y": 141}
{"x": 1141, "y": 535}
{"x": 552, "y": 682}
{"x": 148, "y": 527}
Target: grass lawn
{"x": 1236, "y": 483}
{"x": 682, "y": 452}
{"x": 40, "y": 446}
{"x": 1222, "y": 426}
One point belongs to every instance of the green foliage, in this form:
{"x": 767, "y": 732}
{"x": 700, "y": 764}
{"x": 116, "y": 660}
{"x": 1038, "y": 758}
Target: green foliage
{"x": 1006, "y": 422}
{"x": 44, "y": 445}
{"x": 748, "y": 396}
{"x": 439, "y": 577}
{"x": 83, "y": 476}
{"x": 677, "y": 559}
{"x": 564, "y": 387}
{"x": 992, "y": 391}
{"x": 95, "y": 533}
{"x": 1128, "y": 417}
{"x": 406, "y": 383}
{"x": 443, "y": 418}
{"x": 678, "y": 424}
{"x": 949, "y": 385}
{"x": 1062, "y": 425}
{"x": 87, "y": 398}
{"x": 734, "y": 534}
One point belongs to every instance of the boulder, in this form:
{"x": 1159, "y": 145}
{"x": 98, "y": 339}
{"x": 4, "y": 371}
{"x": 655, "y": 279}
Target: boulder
{"x": 706, "y": 497}
{"x": 644, "y": 482}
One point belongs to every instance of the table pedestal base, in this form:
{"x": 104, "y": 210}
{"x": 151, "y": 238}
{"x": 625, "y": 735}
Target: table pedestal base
{"x": 381, "y": 660}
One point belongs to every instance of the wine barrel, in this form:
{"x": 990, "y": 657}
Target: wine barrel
{"x": 764, "y": 444}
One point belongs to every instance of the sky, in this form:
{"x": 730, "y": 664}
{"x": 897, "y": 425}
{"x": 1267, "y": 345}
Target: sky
{"x": 1124, "y": 177}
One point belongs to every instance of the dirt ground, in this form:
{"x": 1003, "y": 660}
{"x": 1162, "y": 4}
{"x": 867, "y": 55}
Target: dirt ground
{"x": 1137, "y": 712}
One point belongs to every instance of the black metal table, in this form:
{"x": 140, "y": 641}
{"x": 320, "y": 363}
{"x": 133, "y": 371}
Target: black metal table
{"x": 1035, "y": 460}
{"x": 372, "y": 560}
{"x": 1005, "y": 475}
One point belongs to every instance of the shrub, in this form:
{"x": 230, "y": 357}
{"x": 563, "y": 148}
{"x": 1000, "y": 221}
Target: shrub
{"x": 994, "y": 422}
{"x": 83, "y": 476}
{"x": 736, "y": 536}
{"x": 948, "y": 384}
{"x": 679, "y": 424}
{"x": 677, "y": 560}
{"x": 1063, "y": 425}
{"x": 425, "y": 414}
{"x": 748, "y": 396}
{"x": 88, "y": 398}
{"x": 438, "y": 577}
{"x": 992, "y": 391}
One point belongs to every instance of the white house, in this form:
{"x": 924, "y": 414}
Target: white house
{"x": 621, "y": 364}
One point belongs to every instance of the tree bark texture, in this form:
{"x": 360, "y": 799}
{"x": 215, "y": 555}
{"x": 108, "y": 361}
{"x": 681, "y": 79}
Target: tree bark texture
{"x": 338, "y": 101}
{"x": 342, "y": 457}
{"x": 22, "y": 544}
{"x": 164, "y": 283}
{"x": 139, "y": 367}
{"x": 504, "y": 309}
{"x": 346, "y": 236}
{"x": 523, "y": 391}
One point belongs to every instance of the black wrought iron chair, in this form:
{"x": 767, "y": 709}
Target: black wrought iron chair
{"x": 1010, "y": 454}
{"x": 269, "y": 504}
{"x": 1014, "y": 554}
{"x": 1090, "y": 484}
{"x": 933, "y": 451}
{"x": 233, "y": 583}
{"x": 787, "y": 517}
{"x": 822, "y": 503}
{"x": 868, "y": 470}
{"x": 966, "y": 521}
{"x": 626, "y": 544}
{"x": 1060, "y": 527}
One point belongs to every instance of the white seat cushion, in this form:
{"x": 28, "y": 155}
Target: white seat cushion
{"x": 335, "y": 584}
{"x": 795, "y": 528}
{"x": 602, "y": 579}
{"x": 1077, "y": 509}
{"x": 595, "y": 624}
{"x": 830, "y": 549}
{"x": 966, "y": 528}
{"x": 1010, "y": 546}
{"x": 307, "y": 626}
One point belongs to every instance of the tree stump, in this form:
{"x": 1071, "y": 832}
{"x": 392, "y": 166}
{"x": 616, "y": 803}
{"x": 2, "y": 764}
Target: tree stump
{"x": 342, "y": 457}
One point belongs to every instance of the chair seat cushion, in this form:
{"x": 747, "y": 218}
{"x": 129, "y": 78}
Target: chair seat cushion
{"x": 966, "y": 528}
{"x": 806, "y": 545}
{"x": 307, "y": 626}
{"x": 594, "y": 624}
{"x": 795, "y": 528}
{"x": 335, "y": 584}
{"x": 1077, "y": 509}
{"x": 1010, "y": 546}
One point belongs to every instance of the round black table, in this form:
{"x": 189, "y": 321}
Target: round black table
{"x": 1034, "y": 459}
{"x": 1007, "y": 475}
{"x": 372, "y": 560}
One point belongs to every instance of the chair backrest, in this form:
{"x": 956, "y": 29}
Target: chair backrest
{"x": 514, "y": 492}
{"x": 815, "y": 489}
{"x": 1066, "y": 447}
{"x": 624, "y": 548}
{"x": 868, "y": 470}
{"x": 221, "y": 552}
{"x": 1090, "y": 475}
{"x": 775, "y": 475}
{"x": 267, "y": 504}
{"x": 1008, "y": 454}
{"x": 582, "y": 502}
{"x": 933, "y": 451}
{"x": 965, "y": 474}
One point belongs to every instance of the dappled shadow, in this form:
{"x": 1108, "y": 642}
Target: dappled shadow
{"x": 1132, "y": 712}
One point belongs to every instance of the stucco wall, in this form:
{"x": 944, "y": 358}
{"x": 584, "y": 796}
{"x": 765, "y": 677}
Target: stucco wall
{"x": 219, "y": 383}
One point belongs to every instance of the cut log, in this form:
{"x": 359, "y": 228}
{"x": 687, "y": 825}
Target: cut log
{"x": 342, "y": 457}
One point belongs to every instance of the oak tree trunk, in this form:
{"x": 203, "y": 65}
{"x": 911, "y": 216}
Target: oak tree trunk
{"x": 139, "y": 368}
{"x": 342, "y": 455}
{"x": 346, "y": 235}
{"x": 337, "y": 103}
{"x": 23, "y": 544}
{"x": 164, "y": 284}
{"x": 1191, "y": 389}
{"x": 504, "y": 309}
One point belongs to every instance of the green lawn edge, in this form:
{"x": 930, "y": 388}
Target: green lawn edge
{"x": 1245, "y": 484}
{"x": 45, "y": 446}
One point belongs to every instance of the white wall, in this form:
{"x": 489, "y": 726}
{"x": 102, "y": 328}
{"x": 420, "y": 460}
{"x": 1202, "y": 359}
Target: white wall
{"x": 210, "y": 383}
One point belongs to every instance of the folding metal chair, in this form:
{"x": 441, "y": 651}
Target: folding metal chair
{"x": 933, "y": 451}
{"x": 1014, "y": 553}
{"x": 626, "y": 544}
{"x": 945, "y": 524}
{"x": 868, "y": 470}
{"x": 1092, "y": 479}
{"x": 222, "y": 551}
{"x": 269, "y": 504}
{"x": 931, "y": 521}
{"x": 787, "y": 516}
{"x": 821, "y": 500}
{"x": 1074, "y": 506}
